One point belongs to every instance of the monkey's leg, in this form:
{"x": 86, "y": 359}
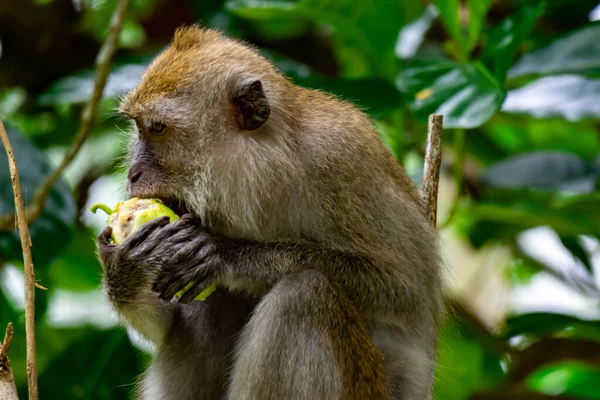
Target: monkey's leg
{"x": 305, "y": 341}
{"x": 194, "y": 361}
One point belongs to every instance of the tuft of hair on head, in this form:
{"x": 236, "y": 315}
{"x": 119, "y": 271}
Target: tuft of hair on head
{"x": 190, "y": 36}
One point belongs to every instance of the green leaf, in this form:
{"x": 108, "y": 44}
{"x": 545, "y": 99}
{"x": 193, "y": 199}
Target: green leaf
{"x": 516, "y": 135}
{"x": 99, "y": 365}
{"x": 571, "y": 378}
{"x": 503, "y": 40}
{"x": 51, "y": 232}
{"x": 478, "y": 10}
{"x": 571, "y": 97}
{"x": 531, "y": 215}
{"x": 412, "y": 35}
{"x": 573, "y": 244}
{"x": 521, "y": 271}
{"x": 576, "y": 52}
{"x": 466, "y": 94}
{"x": 77, "y": 268}
{"x": 364, "y": 36}
{"x": 541, "y": 169}
{"x": 450, "y": 14}
{"x": 10, "y": 101}
{"x": 542, "y": 324}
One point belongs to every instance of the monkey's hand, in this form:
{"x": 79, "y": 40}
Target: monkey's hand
{"x": 204, "y": 259}
{"x": 131, "y": 267}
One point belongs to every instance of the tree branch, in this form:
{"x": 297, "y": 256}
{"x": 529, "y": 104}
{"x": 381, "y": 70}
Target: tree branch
{"x": 28, "y": 266}
{"x": 88, "y": 117}
{"x": 8, "y": 389}
{"x": 433, "y": 161}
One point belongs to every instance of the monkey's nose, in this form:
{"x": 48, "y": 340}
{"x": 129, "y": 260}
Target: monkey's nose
{"x": 135, "y": 172}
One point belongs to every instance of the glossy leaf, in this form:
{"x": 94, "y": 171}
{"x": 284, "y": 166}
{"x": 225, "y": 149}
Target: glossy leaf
{"x": 573, "y": 244}
{"x": 576, "y": 52}
{"x": 571, "y": 97}
{"x": 51, "y": 232}
{"x": 516, "y": 135}
{"x": 543, "y": 169}
{"x": 568, "y": 379}
{"x": 466, "y": 94}
{"x": 412, "y": 35}
{"x": 544, "y": 324}
{"x": 504, "y": 40}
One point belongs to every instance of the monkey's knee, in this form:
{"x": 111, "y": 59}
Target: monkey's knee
{"x": 306, "y": 341}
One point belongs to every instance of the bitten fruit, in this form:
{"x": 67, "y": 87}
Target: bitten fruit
{"x": 128, "y": 216}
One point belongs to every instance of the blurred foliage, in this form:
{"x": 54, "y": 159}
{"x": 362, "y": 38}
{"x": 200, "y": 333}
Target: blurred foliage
{"x": 519, "y": 79}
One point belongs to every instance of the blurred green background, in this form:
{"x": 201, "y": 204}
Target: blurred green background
{"x": 518, "y": 83}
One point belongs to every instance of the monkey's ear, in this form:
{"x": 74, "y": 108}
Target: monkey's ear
{"x": 251, "y": 105}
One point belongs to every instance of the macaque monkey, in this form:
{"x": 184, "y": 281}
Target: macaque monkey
{"x": 327, "y": 270}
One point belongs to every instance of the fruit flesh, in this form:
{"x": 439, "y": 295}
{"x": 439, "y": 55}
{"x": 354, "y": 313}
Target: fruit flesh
{"x": 129, "y": 215}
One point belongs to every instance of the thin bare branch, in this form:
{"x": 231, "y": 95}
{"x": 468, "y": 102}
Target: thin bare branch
{"x": 433, "y": 161}
{"x": 28, "y": 266}
{"x": 5, "y": 345}
{"x": 88, "y": 117}
{"x": 8, "y": 389}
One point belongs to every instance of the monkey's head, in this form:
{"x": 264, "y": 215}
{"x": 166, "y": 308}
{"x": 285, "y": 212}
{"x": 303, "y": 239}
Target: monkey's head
{"x": 197, "y": 115}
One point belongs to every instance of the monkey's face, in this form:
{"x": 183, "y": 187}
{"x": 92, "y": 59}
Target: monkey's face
{"x": 190, "y": 111}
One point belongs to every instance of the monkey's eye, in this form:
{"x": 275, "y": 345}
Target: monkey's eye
{"x": 157, "y": 128}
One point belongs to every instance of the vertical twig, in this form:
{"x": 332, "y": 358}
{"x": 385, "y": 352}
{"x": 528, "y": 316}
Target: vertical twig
{"x": 28, "y": 266}
{"x": 88, "y": 117}
{"x": 433, "y": 162}
{"x": 8, "y": 389}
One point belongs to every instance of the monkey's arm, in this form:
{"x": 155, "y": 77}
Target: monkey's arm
{"x": 243, "y": 264}
{"x": 131, "y": 268}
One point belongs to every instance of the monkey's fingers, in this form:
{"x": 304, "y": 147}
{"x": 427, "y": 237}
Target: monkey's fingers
{"x": 185, "y": 261}
{"x": 105, "y": 247}
{"x": 169, "y": 286}
{"x": 192, "y": 253}
{"x": 181, "y": 231}
{"x": 140, "y": 235}
{"x": 195, "y": 290}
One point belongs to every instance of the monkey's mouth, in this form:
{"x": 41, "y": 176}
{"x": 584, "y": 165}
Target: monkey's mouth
{"x": 178, "y": 206}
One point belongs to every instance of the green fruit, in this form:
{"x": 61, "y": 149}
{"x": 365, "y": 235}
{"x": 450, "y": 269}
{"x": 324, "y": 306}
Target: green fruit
{"x": 129, "y": 215}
